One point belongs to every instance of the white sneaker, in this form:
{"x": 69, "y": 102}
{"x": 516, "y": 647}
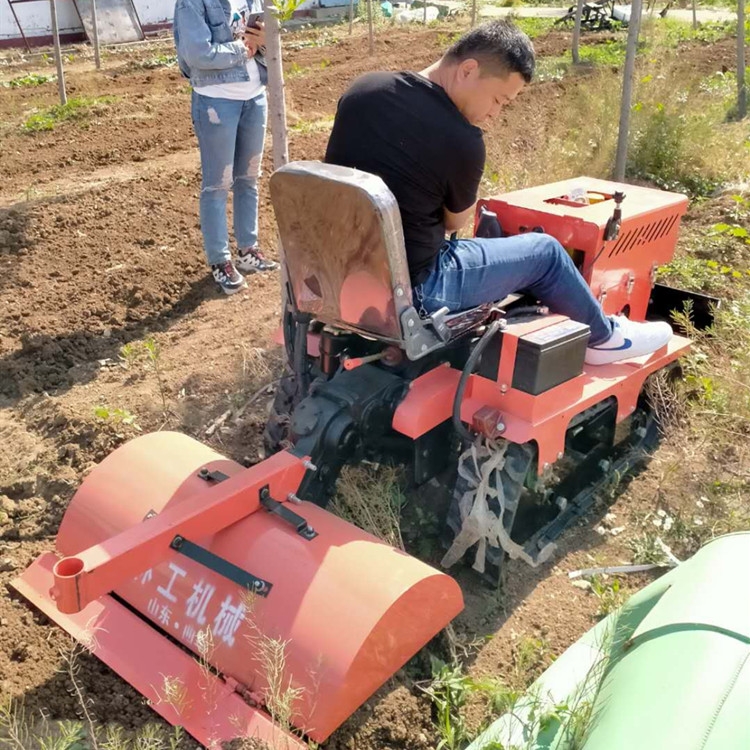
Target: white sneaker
{"x": 629, "y": 339}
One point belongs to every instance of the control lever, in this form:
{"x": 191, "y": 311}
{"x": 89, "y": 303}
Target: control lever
{"x": 612, "y": 230}
{"x": 350, "y": 363}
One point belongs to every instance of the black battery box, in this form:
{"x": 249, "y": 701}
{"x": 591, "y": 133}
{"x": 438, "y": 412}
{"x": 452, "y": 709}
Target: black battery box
{"x": 550, "y": 356}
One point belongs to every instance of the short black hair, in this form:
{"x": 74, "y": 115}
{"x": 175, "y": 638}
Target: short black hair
{"x": 499, "y": 47}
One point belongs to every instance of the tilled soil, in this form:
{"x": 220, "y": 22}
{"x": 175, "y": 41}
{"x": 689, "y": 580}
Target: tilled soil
{"x": 100, "y": 246}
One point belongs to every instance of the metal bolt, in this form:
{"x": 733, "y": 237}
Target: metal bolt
{"x": 559, "y": 455}
{"x": 411, "y": 323}
{"x": 259, "y": 586}
{"x": 605, "y": 465}
{"x": 545, "y": 467}
{"x": 500, "y": 427}
{"x": 503, "y": 388}
{"x": 292, "y": 498}
{"x": 177, "y": 542}
{"x": 203, "y": 473}
{"x": 309, "y": 465}
{"x": 399, "y": 291}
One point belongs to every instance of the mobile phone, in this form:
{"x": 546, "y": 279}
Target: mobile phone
{"x": 252, "y": 19}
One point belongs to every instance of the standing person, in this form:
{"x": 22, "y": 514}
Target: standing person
{"x": 229, "y": 112}
{"x": 419, "y": 133}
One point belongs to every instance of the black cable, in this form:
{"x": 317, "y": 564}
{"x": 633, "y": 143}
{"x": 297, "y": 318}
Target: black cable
{"x": 471, "y": 363}
{"x": 301, "y": 372}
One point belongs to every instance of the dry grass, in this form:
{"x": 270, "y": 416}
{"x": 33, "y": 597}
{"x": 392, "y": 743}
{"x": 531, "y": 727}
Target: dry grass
{"x": 371, "y": 498}
{"x": 680, "y": 136}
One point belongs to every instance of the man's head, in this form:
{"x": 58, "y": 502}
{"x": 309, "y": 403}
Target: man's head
{"x": 486, "y": 69}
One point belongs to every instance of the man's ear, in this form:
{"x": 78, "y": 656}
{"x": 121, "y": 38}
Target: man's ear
{"x": 468, "y": 68}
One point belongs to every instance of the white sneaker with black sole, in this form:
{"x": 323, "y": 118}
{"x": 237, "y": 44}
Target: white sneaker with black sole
{"x": 228, "y": 278}
{"x": 252, "y": 260}
{"x": 629, "y": 339}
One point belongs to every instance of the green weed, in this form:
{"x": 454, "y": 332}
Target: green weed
{"x": 531, "y": 656}
{"x": 115, "y": 416}
{"x": 77, "y": 109}
{"x": 159, "y": 61}
{"x": 534, "y": 27}
{"x": 551, "y": 69}
{"x": 29, "y": 80}
{"x": 449, "y": 691}
{"x": 611, "y": 53}
{"x": 609, "y": 593}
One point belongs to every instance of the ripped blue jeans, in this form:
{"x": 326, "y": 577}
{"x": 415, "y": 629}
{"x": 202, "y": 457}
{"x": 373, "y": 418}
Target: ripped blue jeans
{"x": 230, "y": 136}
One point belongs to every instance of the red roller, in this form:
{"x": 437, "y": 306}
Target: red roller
{"x": 350, "y": 609}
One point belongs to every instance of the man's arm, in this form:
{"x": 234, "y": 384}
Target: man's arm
{"x": 456, "y": 222}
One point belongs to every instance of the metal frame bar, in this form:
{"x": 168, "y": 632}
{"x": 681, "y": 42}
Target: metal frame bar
{"x": 96, "y": 571}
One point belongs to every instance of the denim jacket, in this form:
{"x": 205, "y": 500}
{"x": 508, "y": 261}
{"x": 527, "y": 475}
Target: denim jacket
{"x": 206, "y": 50}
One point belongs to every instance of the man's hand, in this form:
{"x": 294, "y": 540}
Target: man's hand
{"x": 456, "y": 222}
{"x": 254, "y": 38}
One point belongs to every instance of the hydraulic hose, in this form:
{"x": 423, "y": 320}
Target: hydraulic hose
{"x": 471, "y": 363}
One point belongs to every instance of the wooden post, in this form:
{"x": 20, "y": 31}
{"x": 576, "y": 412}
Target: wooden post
{"x": 276, "y": 103}
{"x": 277, "y": 116}
{"x": 58, "y": 54}
{"x": 95, "y": 27}
{"x": 741, "y": 86}
{"x": 627, "y": 89}
{"x": 351, "y": 16}
{"x": 369, "y": 23}
{"x": 577, "y": 33}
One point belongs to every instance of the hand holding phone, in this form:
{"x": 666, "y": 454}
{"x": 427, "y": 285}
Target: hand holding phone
{"x": 255, "y": 35}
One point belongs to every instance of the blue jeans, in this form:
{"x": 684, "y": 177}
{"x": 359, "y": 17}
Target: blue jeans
{"x": 230, "y": 136}
{"x": 471, "y": 272}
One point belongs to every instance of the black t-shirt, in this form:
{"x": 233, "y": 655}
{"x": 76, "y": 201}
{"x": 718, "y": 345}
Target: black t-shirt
{"x": 405, "y": 129}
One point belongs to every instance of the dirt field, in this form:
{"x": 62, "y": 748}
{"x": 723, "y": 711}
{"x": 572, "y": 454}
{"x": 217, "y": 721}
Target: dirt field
{"x": 100, "y": 246}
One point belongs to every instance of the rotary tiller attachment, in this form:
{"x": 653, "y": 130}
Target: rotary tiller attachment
{"x": 192, "y": 577}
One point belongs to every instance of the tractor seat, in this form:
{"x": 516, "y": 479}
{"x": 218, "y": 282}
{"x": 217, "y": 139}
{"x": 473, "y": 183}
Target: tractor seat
{"x": 345, "y": 257}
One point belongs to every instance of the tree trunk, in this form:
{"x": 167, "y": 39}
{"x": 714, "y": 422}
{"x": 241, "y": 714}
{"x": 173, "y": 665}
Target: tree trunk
{"x": 473, "y": 12}
{"x": 695, "y": 16}
{"x": 95, "y": 27}
{"x": 627, "y": 89}
{"x": 741, "y": 86}
{"x": 276, "y": 104}
{"x": 351, "y": 16}
{"x": 369, "y": 24}
{"x": 577, "y": 33}
{"x": 425, "y": 13}
{"x": 58, "y": 54}
{"x": 277, "y": 116}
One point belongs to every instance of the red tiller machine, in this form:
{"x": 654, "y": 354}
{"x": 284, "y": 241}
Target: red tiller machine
{"x": 172, "y": 559}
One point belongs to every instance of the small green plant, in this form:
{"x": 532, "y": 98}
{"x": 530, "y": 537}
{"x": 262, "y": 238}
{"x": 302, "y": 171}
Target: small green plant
{"x": 534, "y": 27}
{"x": 609, "y": 593}
{"x": 115, "y": 416}
{"x": 611, "y": 53}
{"x": 449, "y": 690}
{"x": 77, "y": 109}
{"x": 551, "y": 69}
{"x": 29, "y": 80}
{"x": 159, "y": 61}
{"x": 531, "y": 655}
{"x": 130, "y": 354}
{"x": 153, "y": 357}
{"x": 647, "y": 550}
